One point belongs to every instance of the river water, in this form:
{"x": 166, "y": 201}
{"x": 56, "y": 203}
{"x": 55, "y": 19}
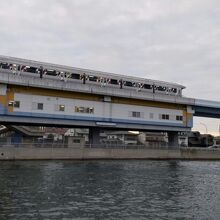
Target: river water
{"x": 109, "y": 190}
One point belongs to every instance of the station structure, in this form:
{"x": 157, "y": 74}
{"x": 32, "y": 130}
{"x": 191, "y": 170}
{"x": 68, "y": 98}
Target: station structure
{"x": 44, "y": 94}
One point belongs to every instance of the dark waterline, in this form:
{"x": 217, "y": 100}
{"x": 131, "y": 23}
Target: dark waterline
{"x": 109, "y": 190}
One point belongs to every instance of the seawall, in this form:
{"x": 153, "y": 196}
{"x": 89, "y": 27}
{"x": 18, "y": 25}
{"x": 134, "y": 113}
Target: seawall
{"x": 21, "y": 153}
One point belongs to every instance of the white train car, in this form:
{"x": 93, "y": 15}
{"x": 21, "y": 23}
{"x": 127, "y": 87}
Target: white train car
{"x": 85, "y": 76}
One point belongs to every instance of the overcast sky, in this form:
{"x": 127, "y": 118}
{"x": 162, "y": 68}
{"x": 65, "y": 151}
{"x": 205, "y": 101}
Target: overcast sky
{"x": 176, "y": 41}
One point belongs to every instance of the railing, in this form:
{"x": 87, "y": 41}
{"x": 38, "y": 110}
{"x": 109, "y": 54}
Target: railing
{"x": 86, "y": 146}
{"x": 55, "y": 145}
{"x": 34, "y": 145}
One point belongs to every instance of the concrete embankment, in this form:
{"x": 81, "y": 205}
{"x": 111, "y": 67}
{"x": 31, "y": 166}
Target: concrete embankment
{"x": 20, "y": 153}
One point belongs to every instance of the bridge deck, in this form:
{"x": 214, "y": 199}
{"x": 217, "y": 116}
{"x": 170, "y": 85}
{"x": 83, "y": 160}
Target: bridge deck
{"x": 206, "y": 108}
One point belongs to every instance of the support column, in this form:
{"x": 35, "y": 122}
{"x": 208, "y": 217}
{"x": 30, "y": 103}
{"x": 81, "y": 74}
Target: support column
{"x": 94, "y": 136}
{"x": 173, "y": 139}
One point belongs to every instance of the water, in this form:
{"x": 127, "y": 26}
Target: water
{"x": 109, "y": 190}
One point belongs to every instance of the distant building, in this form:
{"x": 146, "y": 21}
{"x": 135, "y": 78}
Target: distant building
{"x": 153, "y": 138}
{"x": 119, "y": 138}
{"x": 20, "y": 134}
{"x": 196, "y": 139}
{"x": 216, "y": 141}
{"x": 78, "y": 132}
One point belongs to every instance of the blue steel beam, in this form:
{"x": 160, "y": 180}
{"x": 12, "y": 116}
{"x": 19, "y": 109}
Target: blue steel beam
{"x": 206, "y": 108}
{"x": 208, "y": 112}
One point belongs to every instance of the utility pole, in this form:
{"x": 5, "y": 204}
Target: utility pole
{"x": 219, "y": 130}
{"x": 206, "y": 129}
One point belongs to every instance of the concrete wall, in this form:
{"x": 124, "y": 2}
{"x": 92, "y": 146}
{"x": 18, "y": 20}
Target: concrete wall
{"x": 11, "y": 153}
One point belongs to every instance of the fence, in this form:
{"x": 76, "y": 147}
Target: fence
{"x": 103, "y": 146}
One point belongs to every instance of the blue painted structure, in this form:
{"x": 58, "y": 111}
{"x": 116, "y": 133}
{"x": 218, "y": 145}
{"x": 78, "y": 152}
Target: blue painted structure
{"x": 206, "y": 108}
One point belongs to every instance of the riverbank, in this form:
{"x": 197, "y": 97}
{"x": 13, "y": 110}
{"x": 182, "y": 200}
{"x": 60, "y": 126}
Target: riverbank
{"x": 21, "y": 153}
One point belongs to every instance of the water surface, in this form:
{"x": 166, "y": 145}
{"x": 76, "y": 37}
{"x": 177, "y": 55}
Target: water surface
{"x": 109, "y": 190}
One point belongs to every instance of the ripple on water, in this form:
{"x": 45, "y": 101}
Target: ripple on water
{"x": 109, "y": 190}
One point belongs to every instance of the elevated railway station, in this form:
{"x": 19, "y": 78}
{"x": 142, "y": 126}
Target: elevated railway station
{"x": 44, "y": 94}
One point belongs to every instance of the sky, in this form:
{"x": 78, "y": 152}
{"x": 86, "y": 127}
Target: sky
{"x": 174, "y": 41}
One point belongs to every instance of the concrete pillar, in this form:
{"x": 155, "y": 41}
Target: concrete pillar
{"x": 94, "y": 136}
{"x": 173, "y": 140}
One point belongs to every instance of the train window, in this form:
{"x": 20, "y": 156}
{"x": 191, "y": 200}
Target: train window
{"x": 30, "y": 69}
{"x": 128, "y": 83}
{"x": 5, "y": 66}
{"x": 75, "y": 76}
{"x": 25, "y": 68}
{"x": 174, "y": 90}
{"x": 161, "y": 88}
{"x": 147, "y": 86}
{"x": 113, "y": 81}
{"x": 93, "y": 78}
{"x": 51, "y": 72}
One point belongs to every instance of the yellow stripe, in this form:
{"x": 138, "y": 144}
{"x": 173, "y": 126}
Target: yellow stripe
{"x": 189, "y": 116}
{"x": 185, "y": 118}
{"x": 10, "y": 97}
{"x": 93, "y": 97}
{"x": 3, "y": 100}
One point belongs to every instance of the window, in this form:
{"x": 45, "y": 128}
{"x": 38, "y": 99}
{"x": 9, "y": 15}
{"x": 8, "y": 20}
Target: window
{"x": 40, "y": 106}
{"x": 161, "y": 88}
{"x": 75, "y": 76}
{"x": 136, "y": 114}
{"x": 37, "y": 106}
{"x": 179, "y": 118}
{"x": 61, "y": 108}
{"x": 76, "y": 141}
{"x": 15, "y": 104}
{"x": 93, "y": 78}
{"x": 113, "y": 81}
{"x": 147, "y": 86}
{"x": 165, "y": 117}
{"x": 11, "y": 103}
{"x": 87, "y": 110}
{"x": 128, "y": 83}
{"x": 151, "y": 115}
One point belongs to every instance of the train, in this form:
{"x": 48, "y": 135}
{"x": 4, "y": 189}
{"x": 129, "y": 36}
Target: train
{"x": 85, "y": 76}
